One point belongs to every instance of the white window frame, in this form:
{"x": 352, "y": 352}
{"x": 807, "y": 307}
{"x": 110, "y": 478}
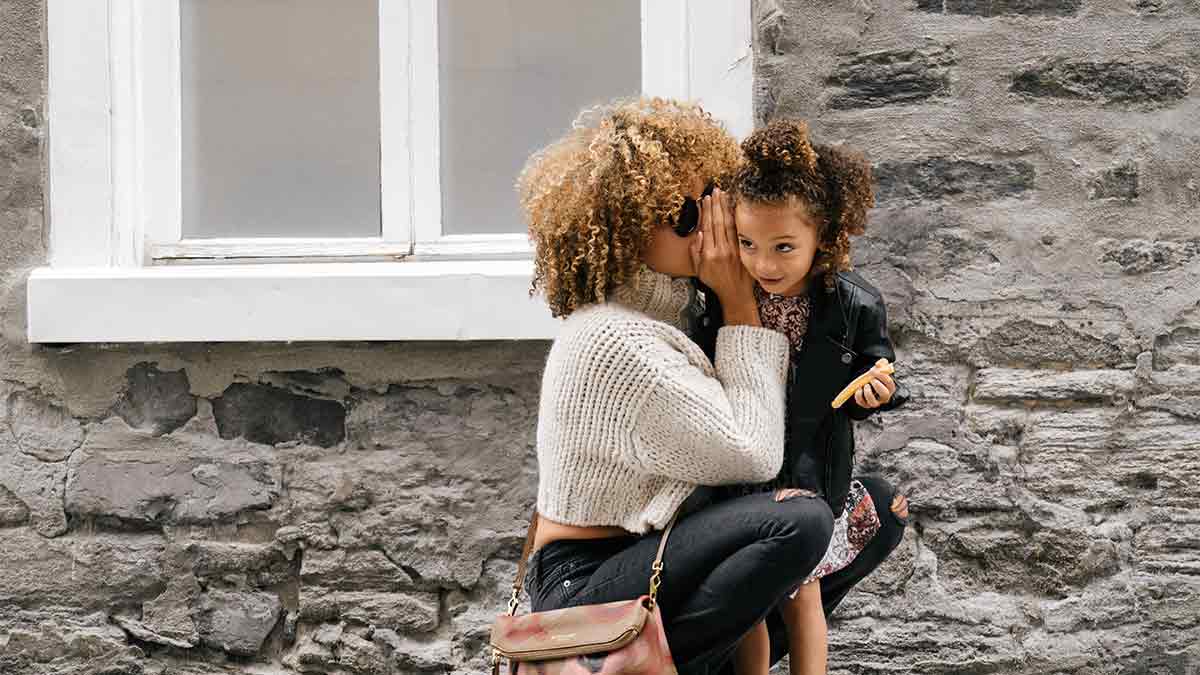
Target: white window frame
{"x": 120, "y": 271}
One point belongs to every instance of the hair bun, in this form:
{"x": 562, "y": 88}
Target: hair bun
{"x": 782, "y": 145}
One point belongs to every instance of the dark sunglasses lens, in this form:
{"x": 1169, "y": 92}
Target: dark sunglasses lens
{"x": 689, "y": 215}
{"x": 689, "y": 218}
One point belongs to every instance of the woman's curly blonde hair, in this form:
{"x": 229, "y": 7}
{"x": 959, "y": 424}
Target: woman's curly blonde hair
{"x": 593, "y": 198}
{"x": 834, "y": 183}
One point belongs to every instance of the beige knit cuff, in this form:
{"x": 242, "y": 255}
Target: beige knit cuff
{"x": 741, "y": 348}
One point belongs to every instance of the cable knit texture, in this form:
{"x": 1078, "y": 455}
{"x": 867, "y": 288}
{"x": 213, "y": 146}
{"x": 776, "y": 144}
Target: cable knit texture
{"x": 633, "y": 415}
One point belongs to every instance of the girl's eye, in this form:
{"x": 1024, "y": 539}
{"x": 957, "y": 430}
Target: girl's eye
{"x": 746, "y": 244}
{"x": 784, "y": 248}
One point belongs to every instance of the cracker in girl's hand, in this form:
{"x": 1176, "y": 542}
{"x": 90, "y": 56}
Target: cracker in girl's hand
{"x": 861, "y": 381}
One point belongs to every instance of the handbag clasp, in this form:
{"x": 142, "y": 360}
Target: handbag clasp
{"x": 514, "y": 601}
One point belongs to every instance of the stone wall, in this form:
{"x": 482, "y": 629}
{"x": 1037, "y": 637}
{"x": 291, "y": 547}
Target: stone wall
{"x": 357, "y": 508}
{"x": 1038, "y": 241}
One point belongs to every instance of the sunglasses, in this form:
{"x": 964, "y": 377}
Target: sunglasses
{"x": 689, "y": 215}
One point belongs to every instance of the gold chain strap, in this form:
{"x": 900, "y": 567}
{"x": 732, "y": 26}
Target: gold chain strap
{"x": 655, "y": 581}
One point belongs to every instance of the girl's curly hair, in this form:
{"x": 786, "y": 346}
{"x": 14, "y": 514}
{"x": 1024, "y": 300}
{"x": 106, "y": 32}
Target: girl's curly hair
{"x": 782, "y": 166}
{"x": 593, "y": 198}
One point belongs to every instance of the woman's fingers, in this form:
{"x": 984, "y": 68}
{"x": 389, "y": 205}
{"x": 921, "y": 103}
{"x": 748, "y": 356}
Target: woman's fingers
{"x": 730, "y": 225}
{"x": 714, "y": 248}
{"x": 722, "y": 269}
{"x": 722, "y": 222}
{"x": 708, "y": 248}
{"x": 718, "y": 219}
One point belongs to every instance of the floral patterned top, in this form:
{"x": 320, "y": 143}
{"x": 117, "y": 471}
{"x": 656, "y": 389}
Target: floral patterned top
{"x": 785, "y": 314}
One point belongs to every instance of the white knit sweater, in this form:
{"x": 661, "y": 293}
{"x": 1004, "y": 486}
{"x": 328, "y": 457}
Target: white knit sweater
{"x": 634, "y": 416}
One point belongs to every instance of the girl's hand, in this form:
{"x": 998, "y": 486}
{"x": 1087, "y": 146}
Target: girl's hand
{"x": 718, "y": 262}
{"x": 876, "y": 392}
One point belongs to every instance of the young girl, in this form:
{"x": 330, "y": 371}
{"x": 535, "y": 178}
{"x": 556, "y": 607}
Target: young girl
{"x": 797, "y": 204}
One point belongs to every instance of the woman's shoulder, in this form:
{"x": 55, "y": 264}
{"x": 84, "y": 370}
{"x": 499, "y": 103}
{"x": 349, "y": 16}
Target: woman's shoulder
{"x": 616, "y": 321}
{"x": 613, "y": 331}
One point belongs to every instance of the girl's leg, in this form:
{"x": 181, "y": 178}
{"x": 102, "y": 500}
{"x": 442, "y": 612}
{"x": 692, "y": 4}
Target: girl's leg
{"x": 753, "y": 653}
{"x": 726, "y": 567}
{"x": 808, "y": 640}
{"x": 835, "y": 586}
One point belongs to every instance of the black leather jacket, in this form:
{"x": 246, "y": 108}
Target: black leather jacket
{"x": 847, "y": 333}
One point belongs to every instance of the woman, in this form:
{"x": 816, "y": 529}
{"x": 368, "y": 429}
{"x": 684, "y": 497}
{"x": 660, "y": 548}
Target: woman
{"x": 634, "y": 418}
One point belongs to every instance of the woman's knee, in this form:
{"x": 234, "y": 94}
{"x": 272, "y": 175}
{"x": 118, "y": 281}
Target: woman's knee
{"x": 806, "y": 525}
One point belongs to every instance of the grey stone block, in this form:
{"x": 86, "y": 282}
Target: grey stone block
{"x": 890, "y": 77}
{"x": 1180, "y": 344}
{"x": 237, "y": 622}
{"x": 31, "y": 488}
{"x": 1002, "y": 7}
{"x": 155, "y": 400}
{"x": 1119, "y": 182}
{"x": 258, "y": 565}
{"x": 1140, "y": 256}
{"x": 41, "y": 428}
{"x": 409, "y": 612}
{"x": 352, "y": 570}
{"x": 265, "y": 414}
{"x": 1138, "y": 84}
{"x": 85, "y": 571}
{"x": 64, "y": 641}
{"x": 946, "y": 177}
{"x": 182, "y": 478}
{"x": 1035, "y": 385}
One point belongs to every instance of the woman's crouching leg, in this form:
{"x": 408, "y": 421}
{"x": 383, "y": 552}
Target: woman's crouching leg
{"x": 784, "y": 541}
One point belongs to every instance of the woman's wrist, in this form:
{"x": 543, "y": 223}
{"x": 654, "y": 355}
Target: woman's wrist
{"x": 742, "y": 313}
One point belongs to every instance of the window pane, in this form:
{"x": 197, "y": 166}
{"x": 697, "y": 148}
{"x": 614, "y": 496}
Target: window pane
{"x": 280, "y": 118}
{"x": 513, "y": 75}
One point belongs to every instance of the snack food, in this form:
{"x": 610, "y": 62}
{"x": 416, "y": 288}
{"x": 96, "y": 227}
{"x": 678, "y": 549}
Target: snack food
{"x": 861, "y": 381}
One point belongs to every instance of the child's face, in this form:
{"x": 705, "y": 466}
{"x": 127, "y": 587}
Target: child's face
{"x": 777, "y": 244}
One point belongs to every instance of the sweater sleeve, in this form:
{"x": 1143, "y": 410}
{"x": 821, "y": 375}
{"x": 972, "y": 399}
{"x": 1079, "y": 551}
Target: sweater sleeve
{"x": 707, "y": 430}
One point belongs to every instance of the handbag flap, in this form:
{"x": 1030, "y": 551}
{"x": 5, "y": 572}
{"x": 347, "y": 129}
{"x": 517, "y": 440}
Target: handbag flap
{"x": 571, "y": 631}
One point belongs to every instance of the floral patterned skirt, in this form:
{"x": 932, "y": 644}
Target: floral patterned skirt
{"x": 852, "y": 531}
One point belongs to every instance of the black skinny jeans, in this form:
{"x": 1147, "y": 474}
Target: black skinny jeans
{"x": 725, "y": 568}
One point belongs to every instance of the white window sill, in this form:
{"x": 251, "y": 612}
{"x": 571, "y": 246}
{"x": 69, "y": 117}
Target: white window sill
{"x": 413, "y": 300}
